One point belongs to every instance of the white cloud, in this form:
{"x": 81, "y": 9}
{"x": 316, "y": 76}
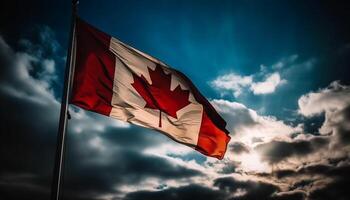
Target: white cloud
{"x": 334, "y": 102}
{"x": 237, "y": 83}
{"x": 232, "y": 82}
{"x": 21, "y": 84}
{"x": 269, "y": 85}
{"x": 335, "y": 97}
{"x": 248, "y": 127}
{"x": 265, "y": 81}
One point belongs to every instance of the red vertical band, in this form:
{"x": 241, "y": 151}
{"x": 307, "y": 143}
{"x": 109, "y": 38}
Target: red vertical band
{"x": 212, "y": 141}
{"x": 213, "y": 137}
{"x": 94, "y": 70}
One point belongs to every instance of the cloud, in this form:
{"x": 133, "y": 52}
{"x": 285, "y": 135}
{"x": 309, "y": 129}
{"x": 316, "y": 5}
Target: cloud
{"x": 335, "y": 190}
{"x": 267, "y": 86}
{"x": 31, "y": 115}
{"x": 225, "y": 188}
{"x": 184, "y": 193}
{"x": 268, "y": 79}
{"x": 318, "y": 181}
{"x": 248, "y": 127}
{"x": 331, "y": 140}
{"x": 238, "y": 148}
{"x": 16, "y": 76}
{"x": 237, "y": 84}
{"x": 241, "y": 190}
{"x": 334, "y": 102}
{"x": 275, "y": 142}
{"x": 335, "y": 97}
{"x": 276, "y": 151}
{"x": 232, "y": 82}
{"x": 100, "y": 172}
{"x": 265, "y": 81}
{"x": 302, "y": 165}
{"x": 290, "y": 195}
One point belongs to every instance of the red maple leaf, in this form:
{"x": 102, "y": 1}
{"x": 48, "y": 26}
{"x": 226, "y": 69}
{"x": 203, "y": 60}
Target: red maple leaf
{"x": 158, "y": 94}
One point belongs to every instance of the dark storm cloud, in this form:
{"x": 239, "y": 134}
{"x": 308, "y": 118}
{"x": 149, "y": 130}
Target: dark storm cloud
{"x": 283, "y": 173}
{"x": 301, "y": 184}
{"x": 246, "y": 189}
{"x": 229, "y": 168}
{"x": 29, "y": 144}
{"x": 238, "y": 148}
{"x": 313, "y": 177}
{"x": 126, "y": 167}
{"x": 101, "y": 171}
{"x": 92, "y": 172}
{"x": 338, "y": 188}
{"x": 319, "y": 181}
{"x": 338, "y": 170}
{"x": 141, "y": 138}
{"x": 189, "y": 192}
{"x": 104, "y": 161}
{"x": 226, "y": 188}
{"x": 23, "y": 186}
{"x": 293, "y": 195}
{"x": 342, "y": 130}
{"x": 277, "y": 151}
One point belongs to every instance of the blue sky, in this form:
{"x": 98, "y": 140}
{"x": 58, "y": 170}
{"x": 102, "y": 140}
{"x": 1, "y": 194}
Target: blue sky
{"x": 277, "y": 71}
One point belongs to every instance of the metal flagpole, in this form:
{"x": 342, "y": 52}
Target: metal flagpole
{"x": 59, "y": 157}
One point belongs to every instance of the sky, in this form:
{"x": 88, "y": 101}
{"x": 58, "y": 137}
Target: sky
{"x": 277, "y": 71}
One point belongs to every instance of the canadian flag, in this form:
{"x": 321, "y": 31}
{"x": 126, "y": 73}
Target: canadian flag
{"x": 114, "y": 79}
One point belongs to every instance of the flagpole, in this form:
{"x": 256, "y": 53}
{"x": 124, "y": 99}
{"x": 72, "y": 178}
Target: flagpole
{"x": 64, "y": 115}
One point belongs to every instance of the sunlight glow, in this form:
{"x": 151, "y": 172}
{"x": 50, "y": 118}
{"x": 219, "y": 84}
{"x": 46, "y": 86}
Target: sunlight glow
{"x": 252, "y": 162}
